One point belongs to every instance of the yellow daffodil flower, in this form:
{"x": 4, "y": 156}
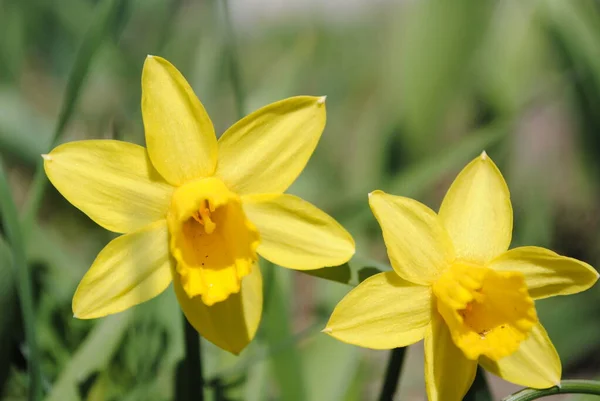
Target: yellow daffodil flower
{"x": 456, "y": 284}
{"x": 197, "y": 211}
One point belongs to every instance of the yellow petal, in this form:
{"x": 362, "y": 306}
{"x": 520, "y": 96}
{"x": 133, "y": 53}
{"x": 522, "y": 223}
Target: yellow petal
{"x": 382, "y": 312}
{"x": 131, "y": 269}
{"x": 266, "y": 150}
{"x": 417, "y": 244}
{"x": 547, "y": 273}
{"x": 180, "y": 137}
{"x": 535, "y": 364}
{"x": 448, "y": 373}
{"x": 295, "y": 234}
{"x": 113, "y": 182}
{"x": 477, "y": 212}
{"x": 230, "y": 324}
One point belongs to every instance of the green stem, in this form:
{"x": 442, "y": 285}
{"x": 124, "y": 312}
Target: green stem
{"x": 13, "y": 232}
{"x": 194, "y": 383}
{"x": 480, "y": 390}
{"x": 392, "y": 374}
{"x": 234, "y": 65}
{"x": 565, "y": 387}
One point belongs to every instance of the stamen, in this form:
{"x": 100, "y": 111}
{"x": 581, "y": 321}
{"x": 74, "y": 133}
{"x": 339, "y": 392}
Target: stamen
{"x": 209, "y": 225}
{"x": 202, "y": 216}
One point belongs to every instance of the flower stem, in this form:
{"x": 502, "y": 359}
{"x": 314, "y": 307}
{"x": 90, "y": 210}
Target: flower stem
{"x": 234, "y": 65}
{"x": 392, "y": 374}
{"x": 480, "y": 390}
{"x": 565, "y": 387}
{"x": 12, "y": 227}
{"x": 194, "y": 379}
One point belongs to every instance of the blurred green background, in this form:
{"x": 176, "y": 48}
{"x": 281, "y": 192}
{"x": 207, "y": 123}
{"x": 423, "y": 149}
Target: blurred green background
{"x": 416, "y": 89}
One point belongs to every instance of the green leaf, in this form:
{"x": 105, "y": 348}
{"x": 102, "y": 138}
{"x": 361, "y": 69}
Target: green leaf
{"x": 23, "y": 132}
{"x": 514, "y": 57}
{"x": 325, "y": 357}
{"x": 434, "y": 61}
{"x": 93, "y": 355}
{"x": 9, "y": 307}
{"x": 351, "y": 273}
{"x": 286, "y": 362}
{"x": 13, "y": 20}
{"x": 422, "y": 175}
{"x": 578, "y": 25}
{"x": 102, "y": 25}
{"x": 14, "y": 234}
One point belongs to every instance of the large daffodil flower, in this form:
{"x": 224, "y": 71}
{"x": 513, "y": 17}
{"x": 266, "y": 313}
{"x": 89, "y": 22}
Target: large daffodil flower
{"x": 197, "y": 211}
{"x": 456, "y": 284}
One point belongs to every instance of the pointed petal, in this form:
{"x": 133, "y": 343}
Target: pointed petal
{"x": 131, "y": 269}
{"x": 113, "y": 182}
{"x": 417, "y": 244}
{"x": 536, "y": 364}
{"x": 382, "y": 312}
{"x": 547, "y": 273}
{"x": 295, "y": 234}
{"x": 477, "y": 212}
{"x": 448, "y": 373}
{"x": 230, "y": 324}
{"x": 180, "y": 137}
{"x": 266, "y": 150}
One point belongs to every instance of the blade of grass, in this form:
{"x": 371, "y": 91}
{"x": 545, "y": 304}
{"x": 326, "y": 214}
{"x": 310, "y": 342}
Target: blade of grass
{"x": 232, "y": 60}
{"x": 108, "y": 13}
{"x": 8, "y": 305}
{"x": 18, "y": 120}
{"x": 423, "y": 174}
{"x": 576, "y": 23}
{"x": 433, "y": 64}
{"x": 12, "y": 227}
{"x": 168, "y": 23}
{"x": 324, "y": 356}
{"x": 287, "y": 363}
{"x": 91, "y": 356}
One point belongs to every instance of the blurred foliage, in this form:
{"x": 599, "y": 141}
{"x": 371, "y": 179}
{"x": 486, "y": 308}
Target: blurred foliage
{"x": 415, "y": 90}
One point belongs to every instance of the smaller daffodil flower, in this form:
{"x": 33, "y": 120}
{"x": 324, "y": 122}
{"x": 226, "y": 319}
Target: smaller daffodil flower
{"x": 196, "y": 211}
{"x": 456, "y": 284}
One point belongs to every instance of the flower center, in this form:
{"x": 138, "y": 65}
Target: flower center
{"x": 212, "y": 241}
{"x": 202, "y": 216}
{"x": 488, "y": 312}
